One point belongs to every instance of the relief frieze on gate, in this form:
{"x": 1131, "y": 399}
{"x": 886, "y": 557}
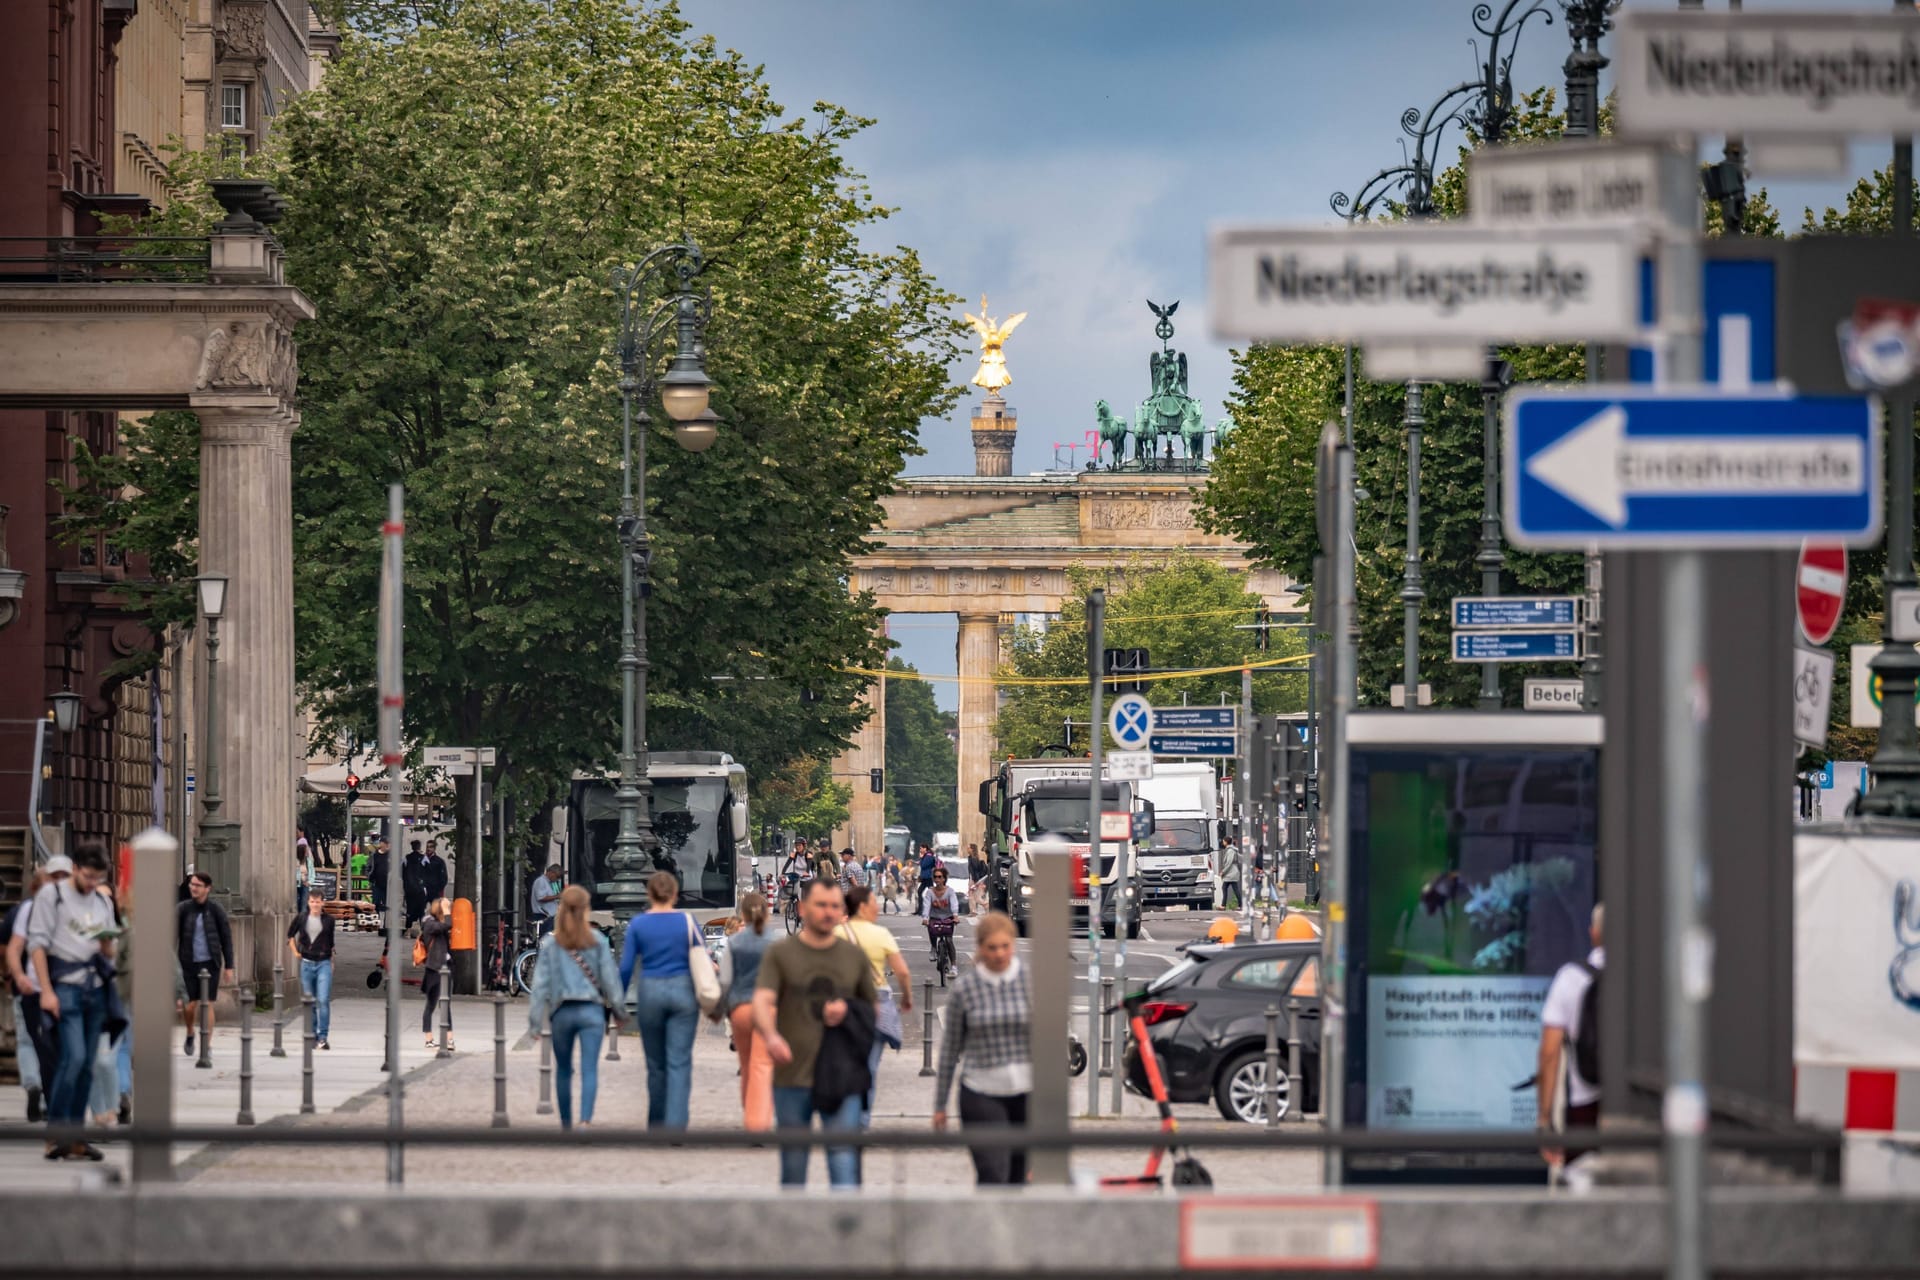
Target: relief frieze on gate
{"x": 962, "y": 582}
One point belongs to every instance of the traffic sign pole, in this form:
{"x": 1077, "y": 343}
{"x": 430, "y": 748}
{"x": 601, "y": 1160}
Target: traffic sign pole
{"x": 1096, "y": 669}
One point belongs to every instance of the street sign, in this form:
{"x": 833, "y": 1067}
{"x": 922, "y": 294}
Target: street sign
{"x": 1516, "y": 646}
{"x": 1581, "y": 184}
{"x": 1820, "y": 590}
{"x": 1470, "y": 612}
{"x": 1812, "y": 696}
{"x": 1863, "y": 709}
{"x": 1758, "y": 73}
{"x": 1552, "y": 695}
{"x": 1903, "y": 611}
{"x": 456, "y": 761}
{"x": 1413, "y": 280}
{"x": 1130, "y": 721}
{"x": 1188, "y": 744}
{"x": 1438, "y": 360}
{"x": 190, "y": 784}
{"x": 1633, "y": 466}
{"x": 1142, "y": 825}
{"x": 1219, "y": 719}
{"x": 1130, "y": 766}
{"x": 1397, "y": 694}
{"x": 1116, "y": 826}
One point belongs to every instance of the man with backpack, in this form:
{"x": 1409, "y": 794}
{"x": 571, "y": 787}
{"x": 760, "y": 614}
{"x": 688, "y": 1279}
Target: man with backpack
{"x": 1570, "y": 1033}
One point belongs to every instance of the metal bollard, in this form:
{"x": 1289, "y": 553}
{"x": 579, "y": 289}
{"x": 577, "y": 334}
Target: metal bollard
{"x": 446, "y": 1014}
{"x": 926, "y": 1029}
{"x": 245, "y": 1115}
{"x": 1106, "y": 1027}
{"x": 499, "y": 1059}
{"x": 546, "y": 1070}
{"x": 613, "y": 1038}
{"x": 307, "y": 1014}
{"x": 205, "y": 1060}
{"x": 279, "y": 998}
{"x": 1296, "y": 1083}
{"x": 1273, "y": 1067}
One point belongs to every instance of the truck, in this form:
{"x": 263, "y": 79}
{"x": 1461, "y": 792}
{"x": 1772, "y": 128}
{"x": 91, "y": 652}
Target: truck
{"x": 1029, "y": 798}
{"x": 1179, "y": 864}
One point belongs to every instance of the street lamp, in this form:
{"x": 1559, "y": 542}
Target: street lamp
{"x": 66, "y": 718}
{"x": 683, "y": 392}
{"x": 218, "y": 841}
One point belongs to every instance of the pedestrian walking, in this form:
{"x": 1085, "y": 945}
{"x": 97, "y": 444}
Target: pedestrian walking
{"x": 203, "y": 939}
{"x": 739, "y": 973}
{"x": 882, "y": 950}
{"x": 976, "y": 881}
{"x": 576, "y": 986}
{"x": 826, "y": 865}
{"x": 70, "y": 940}
{"x": 989, "y": 1042}
{"x": 413, "y": 870}
{"x": 853, "y": 869}
{"x": 811, "y": 983}
{"x": 658, "y": 944}
{"x": 1230, "y": 876}
{"x": 433, "y": 876}
{"x": 436, "y": 934}
{"x": 302, "y": 877}
{"x": 110, "y": 1098}
{"x": 1570, "y": 1039}
{"x": 310, "y": 938}
{"x": 377, "y": 870}
{"x": 37, "y": 1046}
{"x": 889, "y": 886}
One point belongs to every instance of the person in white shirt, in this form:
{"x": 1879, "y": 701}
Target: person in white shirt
{"x": 1561, "y": 1031}
{"x": 545, "y": 897}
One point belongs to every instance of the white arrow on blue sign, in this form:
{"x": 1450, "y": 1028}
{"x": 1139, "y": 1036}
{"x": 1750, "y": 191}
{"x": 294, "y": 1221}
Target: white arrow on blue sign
{"x": 1516, "y": 646}
{"x": 1130, "y": 721}
{"x": 1639, "y": 466}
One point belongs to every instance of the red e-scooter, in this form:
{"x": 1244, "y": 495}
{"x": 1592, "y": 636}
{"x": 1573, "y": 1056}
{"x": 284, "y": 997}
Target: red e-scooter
{"x": 1187, "y": 1169}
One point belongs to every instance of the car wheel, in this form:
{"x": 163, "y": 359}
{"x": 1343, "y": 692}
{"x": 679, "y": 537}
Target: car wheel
{"x": 1240, "y": 1090}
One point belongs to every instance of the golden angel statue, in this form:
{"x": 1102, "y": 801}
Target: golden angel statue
{"x": 992, "y": 373}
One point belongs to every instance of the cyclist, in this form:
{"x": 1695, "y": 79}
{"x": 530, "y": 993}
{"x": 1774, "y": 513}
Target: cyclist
{"x": 826, "y": 866}
{"x": 939, "y": 905}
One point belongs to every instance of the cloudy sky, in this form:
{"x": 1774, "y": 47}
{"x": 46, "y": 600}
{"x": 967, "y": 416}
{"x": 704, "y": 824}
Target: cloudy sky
{"x": 1066, "y": 157}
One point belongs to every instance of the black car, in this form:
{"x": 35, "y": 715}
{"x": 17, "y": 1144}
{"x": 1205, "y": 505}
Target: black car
{"x": 1207, "y": 1018}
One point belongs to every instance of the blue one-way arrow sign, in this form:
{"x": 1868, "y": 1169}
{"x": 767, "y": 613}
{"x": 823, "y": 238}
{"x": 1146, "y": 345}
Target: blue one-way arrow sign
{"x": 1638, "y": 466}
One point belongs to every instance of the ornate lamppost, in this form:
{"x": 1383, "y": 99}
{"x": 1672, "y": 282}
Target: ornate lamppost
{"x": 683, "y": 394}
{"x": 217, "y": 843}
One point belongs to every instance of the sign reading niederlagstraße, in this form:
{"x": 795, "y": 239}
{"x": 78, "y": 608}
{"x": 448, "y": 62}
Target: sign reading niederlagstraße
{"x": 1768, "y": 73}
{"x": 1294, "y": 284}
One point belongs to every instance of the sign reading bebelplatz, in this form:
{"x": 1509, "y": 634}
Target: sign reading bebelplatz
{"x": 1820, "y": 74}
{"x": 1634, "y": 466}
{"x": 1411, "y": 281}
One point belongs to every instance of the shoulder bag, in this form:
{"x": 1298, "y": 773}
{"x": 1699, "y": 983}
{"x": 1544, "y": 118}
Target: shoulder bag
{"x": 886, "y": 1012}
{"x": 706, "y": 981}
{"x": 593, "y": 980}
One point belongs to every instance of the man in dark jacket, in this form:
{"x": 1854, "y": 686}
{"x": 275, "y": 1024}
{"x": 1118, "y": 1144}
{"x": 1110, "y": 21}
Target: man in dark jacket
{"x": 434, "y": 878}
{"x": 413, "y": 883}
{"x": 310, "y": 937}
{"x": 204, "y": 943}
{"x": 377, "y": 869}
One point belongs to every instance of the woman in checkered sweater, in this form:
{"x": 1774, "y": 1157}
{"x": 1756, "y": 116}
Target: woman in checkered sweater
{"x": 989, "y": 1038}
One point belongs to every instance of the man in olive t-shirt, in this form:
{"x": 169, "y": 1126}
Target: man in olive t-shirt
{"x": 805, "y": 982}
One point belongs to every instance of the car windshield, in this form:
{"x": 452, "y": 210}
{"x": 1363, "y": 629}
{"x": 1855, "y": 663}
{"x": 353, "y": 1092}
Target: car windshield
{"x": 1187, "y": 834}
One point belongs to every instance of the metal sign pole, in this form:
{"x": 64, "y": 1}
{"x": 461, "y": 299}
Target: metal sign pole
{"x": 1336, "y": 458}
{"x": 1052, "y": 930}
{"x": 392, "y": 755}
{"x": 472, "y": 963}
{"x": 1096, "y": 651}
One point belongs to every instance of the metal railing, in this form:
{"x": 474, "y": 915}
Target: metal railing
{"x": 120, "y": 259}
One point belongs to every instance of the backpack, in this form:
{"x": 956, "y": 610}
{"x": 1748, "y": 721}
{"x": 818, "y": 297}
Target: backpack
{"x": 1586, "y": 1045}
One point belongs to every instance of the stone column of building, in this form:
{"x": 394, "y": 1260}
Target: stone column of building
{"x": 993, "y": 433}
{"x": 246, "y": 534}
{"x": 867, "y": 811}
{"x": 979, "y": 706}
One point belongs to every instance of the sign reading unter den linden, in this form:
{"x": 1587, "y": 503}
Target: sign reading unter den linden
{"x": 1288, "y": 284}
{"x": 1806, "y": 74}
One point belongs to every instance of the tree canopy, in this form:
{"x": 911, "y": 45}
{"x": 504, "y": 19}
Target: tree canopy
{"x": 922, "y": 762}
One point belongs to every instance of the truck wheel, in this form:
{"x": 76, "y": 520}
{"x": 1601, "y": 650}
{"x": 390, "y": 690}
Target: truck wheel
{"x": 1133, "y": 930}
{"x": 1020, "y": 925}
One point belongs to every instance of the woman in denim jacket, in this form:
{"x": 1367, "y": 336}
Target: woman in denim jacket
{"x": 577, "y": 985}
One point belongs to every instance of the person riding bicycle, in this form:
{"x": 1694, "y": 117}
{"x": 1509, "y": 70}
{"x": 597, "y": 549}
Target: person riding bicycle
{"x": 940, "y": 906}
{"x": 826, "y": 864}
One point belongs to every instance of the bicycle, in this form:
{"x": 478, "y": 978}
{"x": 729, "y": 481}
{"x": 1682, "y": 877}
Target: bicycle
{"x": 790, "y": 902}
{"x": 500, "y": 954}
{"x": 940, "y": 937}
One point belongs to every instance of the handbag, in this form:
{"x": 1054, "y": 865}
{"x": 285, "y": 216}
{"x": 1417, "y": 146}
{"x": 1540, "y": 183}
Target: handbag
{"x": 706, "y": 981}
{"x": 886, "y": 1012}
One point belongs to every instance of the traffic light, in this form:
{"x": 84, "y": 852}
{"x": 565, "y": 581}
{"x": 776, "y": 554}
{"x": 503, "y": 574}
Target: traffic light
{"x": 1124, "y": 662}
{"x": 1261, "y": 619}
{"x": 876, "y": 780}
{"x": 353, "y": 790}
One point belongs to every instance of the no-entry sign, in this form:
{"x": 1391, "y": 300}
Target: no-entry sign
{"x": 1820, "y": 589}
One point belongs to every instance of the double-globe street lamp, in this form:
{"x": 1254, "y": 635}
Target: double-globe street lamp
{"x": 683, "y": 394}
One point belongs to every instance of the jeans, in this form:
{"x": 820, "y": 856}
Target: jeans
{"x": 669, "y": 1016}
{"x": 25, "y": 1051}
{"x": 83, "y": 1008}
{"x": 1229, "y": 889}
{"x": 873, "y": 1074}
{"x": 430, "y": 987}
{"x": 103, "y": 1094}
{"x": 300, "y": 899}
{"x": 316, "y": 980}
{"x": 582, "y": 1022}
{"x": 793, "y": 1108}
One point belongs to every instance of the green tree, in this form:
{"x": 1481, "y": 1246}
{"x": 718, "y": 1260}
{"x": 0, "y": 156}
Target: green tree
{"x": 804, "y": 797}
{"x": 922, "y": 764}
{"x": 1185, "y": 611}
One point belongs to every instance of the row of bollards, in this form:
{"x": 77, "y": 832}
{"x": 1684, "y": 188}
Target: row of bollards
{"x": 1294, "y": 1102}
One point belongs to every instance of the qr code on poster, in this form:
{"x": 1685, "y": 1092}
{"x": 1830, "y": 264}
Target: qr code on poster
{"x": 1399, "y": 1101}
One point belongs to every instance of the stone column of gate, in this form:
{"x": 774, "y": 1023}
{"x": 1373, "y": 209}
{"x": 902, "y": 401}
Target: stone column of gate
{"x": 979, "y": 707}
{"x": 246, "y": 533}
{"x": 867, "y": 811}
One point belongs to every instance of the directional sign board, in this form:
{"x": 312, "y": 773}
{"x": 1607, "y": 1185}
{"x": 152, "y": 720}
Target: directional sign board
{"x": 1516, "y": 646}
{"x": 1903, "y": 612}
{"x": 1194, "y": 744}
{"x": 1571, "y": 185}
{"x": 1220, "y": 719}
{"x": 1412, "y": 281}
{"x": 1130, "y": 721}
{"x": 1481, "y": 612}
{"x": 1632, "y": 466}
{"x": 1812, "y": 696}
{"x": 1819, "y": 74}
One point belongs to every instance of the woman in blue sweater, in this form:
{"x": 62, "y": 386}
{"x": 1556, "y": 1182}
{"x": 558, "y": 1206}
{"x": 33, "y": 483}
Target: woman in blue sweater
{"x": 574, "y": 981}
{"x": 669, "y": 1015}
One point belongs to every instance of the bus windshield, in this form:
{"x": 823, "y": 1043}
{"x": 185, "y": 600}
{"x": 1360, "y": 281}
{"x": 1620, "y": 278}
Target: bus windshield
{"x": 689, "y": 822}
